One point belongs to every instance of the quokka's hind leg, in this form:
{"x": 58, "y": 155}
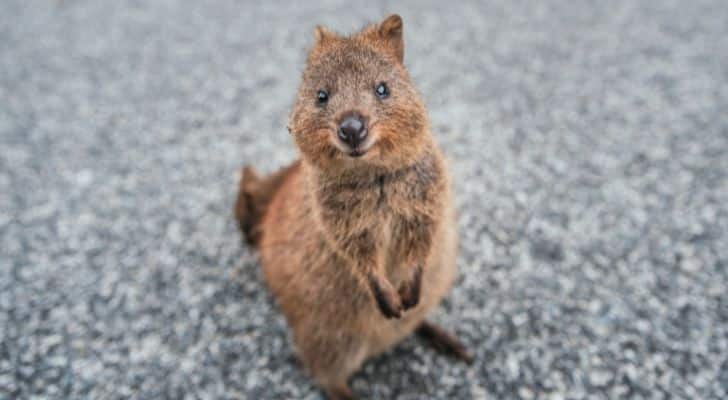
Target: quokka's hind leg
{"x": 443, "y": 341}
{"x": 334, "y": 363}
{"x": 333, "y": 377}
{"x": 335, "y": 383}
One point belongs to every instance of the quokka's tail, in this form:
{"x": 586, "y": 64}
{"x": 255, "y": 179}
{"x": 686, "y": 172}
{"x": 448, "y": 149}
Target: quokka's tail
{"x": 254, "y": 195}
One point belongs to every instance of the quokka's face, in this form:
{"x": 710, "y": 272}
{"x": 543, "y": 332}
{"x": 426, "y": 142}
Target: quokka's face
{"x": 356, "y": 104}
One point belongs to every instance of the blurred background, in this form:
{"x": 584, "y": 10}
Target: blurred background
{"x": 589, "y": 150}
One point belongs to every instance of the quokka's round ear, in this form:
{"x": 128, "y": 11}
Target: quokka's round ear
{"x": 391, "y": 31}
{"x": 322, "y": 34}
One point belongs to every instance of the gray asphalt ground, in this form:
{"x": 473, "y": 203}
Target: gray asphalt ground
{"x": 589, "y": 148}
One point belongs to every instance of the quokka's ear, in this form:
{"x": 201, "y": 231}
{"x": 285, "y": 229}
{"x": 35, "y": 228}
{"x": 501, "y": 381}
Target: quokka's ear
{"x": 322, "y": 34}
{"x": 390, "y": 30}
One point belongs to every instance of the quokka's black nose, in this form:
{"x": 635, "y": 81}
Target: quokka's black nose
{"x": 352, "y": 130}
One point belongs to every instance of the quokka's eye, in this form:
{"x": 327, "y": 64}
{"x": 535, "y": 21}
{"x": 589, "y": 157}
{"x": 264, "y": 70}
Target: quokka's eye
{"x": 382, "y": 90}
{"x": 322, "y": 97}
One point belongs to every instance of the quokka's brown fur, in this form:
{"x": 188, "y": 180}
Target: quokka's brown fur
{"x": 356, "y": 247}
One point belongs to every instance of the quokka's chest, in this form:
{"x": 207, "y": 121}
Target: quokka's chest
{"x": 381, "y": 209}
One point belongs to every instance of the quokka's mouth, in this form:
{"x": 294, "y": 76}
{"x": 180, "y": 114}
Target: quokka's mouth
{"x": 355, "y": 152}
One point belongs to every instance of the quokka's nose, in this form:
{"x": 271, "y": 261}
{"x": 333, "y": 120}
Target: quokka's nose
{"x": 352, "y": 130}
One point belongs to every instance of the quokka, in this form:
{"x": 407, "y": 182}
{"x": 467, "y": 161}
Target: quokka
{"x": 358, "y": 237}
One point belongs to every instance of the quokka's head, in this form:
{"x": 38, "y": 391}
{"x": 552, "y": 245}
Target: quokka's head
{"x": 356, "y": 105}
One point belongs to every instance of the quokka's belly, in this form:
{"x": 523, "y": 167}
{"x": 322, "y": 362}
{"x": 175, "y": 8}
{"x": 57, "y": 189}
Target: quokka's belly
{"x": 437, "y": 281}
{"x": 321, "y": 296}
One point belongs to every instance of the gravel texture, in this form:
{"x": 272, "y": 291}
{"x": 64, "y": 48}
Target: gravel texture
{"x": 589, "y": 148}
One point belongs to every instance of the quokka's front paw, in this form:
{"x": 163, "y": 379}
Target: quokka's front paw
{"x": 387, "y": 298}
{"x": 409, "y": 291}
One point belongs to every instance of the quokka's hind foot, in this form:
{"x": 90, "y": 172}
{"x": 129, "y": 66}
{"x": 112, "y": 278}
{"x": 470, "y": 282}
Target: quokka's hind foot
{"x": 443, "y": 341}
{"x": 339, "y": 392}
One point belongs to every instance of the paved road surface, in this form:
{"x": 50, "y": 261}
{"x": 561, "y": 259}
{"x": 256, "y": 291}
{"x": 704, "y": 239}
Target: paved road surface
{"x": 589, "y": 144}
